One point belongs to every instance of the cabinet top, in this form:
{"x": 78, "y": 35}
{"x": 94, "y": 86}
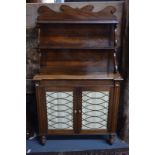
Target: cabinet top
{"x": 84, "y": 15}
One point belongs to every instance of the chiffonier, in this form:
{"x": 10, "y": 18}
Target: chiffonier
{"x": 78, "y": 85}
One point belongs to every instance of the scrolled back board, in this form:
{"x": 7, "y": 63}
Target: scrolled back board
{"x": 69, "y": 13}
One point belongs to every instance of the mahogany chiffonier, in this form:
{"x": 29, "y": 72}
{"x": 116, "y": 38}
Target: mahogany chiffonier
{"x": 77, "y": 88}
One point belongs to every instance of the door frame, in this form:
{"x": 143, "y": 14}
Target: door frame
{"x": 43, "y": 110}
{"x": 110, "y": 109}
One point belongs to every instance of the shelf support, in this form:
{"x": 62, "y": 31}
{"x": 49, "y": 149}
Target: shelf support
{"x": 115, "y": 63}
{"x": 115, "y": 51}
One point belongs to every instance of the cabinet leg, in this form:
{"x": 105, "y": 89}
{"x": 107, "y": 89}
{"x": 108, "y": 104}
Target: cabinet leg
{"x": 111, "y": 138}
{"x": 43, "y": 140}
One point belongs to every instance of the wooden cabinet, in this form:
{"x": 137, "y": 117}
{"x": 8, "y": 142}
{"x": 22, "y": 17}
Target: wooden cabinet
{"x": 78, "y": 86}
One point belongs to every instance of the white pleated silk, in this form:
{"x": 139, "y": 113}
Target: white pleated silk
{"x": 59, "y": 110}
{"x": 94, "y": 110}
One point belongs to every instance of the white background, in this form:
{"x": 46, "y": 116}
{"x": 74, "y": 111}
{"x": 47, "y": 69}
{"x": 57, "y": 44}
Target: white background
{"x": 13, "y": 77}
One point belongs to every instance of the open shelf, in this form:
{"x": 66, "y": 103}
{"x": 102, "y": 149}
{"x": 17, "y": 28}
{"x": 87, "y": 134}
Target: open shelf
{"x": 76, "y": 36}
{"x": 67, "y": 61}
{"x": 78, "y": 22}
{"x": 76, "y": 41}
{"x": 78, "y": 47}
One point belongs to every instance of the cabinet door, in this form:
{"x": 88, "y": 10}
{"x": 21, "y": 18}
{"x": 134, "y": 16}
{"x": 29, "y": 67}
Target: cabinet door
{"x": 95, "y": 109}
{"x": 60, "y": 107}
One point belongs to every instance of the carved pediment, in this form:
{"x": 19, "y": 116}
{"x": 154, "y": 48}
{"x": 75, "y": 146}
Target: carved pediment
{"x": 68, "y": 13}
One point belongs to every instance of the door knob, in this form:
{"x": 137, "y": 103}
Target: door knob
{"x": 79, "y": 111}
{"x": 75, "y": 111}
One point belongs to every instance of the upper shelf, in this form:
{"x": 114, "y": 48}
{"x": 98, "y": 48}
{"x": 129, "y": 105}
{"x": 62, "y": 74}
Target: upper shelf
{"x": 78, "y": 22}
{"x": 71, "y": 42}
{"x": 76, "y": 36}
{"x": 84, "y": 15}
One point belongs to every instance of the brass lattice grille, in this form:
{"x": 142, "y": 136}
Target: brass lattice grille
{"x": 95, "y": 109}
{"x": 59, "y": 110}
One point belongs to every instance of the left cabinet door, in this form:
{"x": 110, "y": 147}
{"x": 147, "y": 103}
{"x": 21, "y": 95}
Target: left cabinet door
{"x": 58, "y": 110}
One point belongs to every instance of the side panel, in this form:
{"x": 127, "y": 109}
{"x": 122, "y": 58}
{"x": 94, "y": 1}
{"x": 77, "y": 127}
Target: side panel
{"x": 115, "y": 106}
{"x": 41, "y": 109}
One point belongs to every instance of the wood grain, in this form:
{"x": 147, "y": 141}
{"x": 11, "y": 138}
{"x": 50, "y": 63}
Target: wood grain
{"x": 77, "y": 49}
{"x": 69, "y": 13}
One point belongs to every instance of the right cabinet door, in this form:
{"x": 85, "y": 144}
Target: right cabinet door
{"x": 95, "y": 109}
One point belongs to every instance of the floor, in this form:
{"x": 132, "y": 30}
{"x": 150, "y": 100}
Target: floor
{"x": 68, "y": 144}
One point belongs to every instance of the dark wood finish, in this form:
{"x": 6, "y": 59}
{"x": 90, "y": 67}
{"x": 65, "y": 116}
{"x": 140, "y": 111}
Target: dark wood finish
{"x": 65, "y": 85}
{"x": 77, "y": 52}
{"x": 87, "y": 76}
{"x": 46, "y": 15}
{"x": 42, "y": 140}
{"x": 66, "y": 36}
{"x": 41, "y": 108}
{"x": 96, "y": 61}
{"x": 111, "y": 138}
{"x": 79, "y": 101}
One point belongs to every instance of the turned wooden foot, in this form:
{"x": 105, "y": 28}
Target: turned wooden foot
{"x": 111, "y": 138}
{"x": 43, "y": 140}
